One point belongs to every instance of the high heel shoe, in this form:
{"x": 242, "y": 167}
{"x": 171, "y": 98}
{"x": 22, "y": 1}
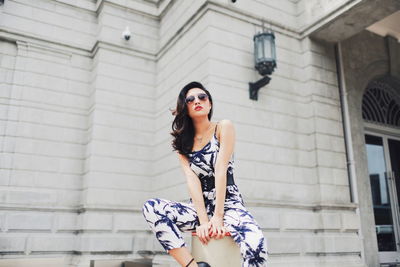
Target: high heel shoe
{"x": 200, "y": 264}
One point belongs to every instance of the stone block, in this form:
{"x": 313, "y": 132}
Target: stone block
{"x": 22, "y": 178}
{"x": 330, "y": 221}
{"x": 67, "y": 222}
{"x": 122, "y": 120}
{"x": 286, "y": 156}
{"x": 119, "y": 165}
{"x": 300, "y": 221}
{"x": 129, "y": 222}
{"x": 330, "y": 127}
{"x": 267, "y": 219}
{"x": 29, "y": 221}
{"x": 74, "y": 101}
{"x": 283, "y": 245}
{"x": 251, "y": 151}
{"x": 12, "y": 243}
{"x": 34, "y": 262}
{"x": 121, "y": 150}
{"x": 306, "y": 158}
{"x": 93, "y": 243}
{"x": 334, "y": 194}
{"x": 257, "y": 190}
{"x": 4, "y": 176}
{"x": 95, "y": 221}
{"x": 69, "y": 198}
{"x": 47, "y": 243}
{"x": 119, "y": 181}
{"x": 318, "y": 244}
{"x": 115, "y": 198}
{"x": 333, "y": 176}
{"x": 127, "y": 61}
{"x": 31, "y": 197}
{"x": 70, "y": 165}
{"x": 304, "y": 126}
{"x": 80, "y": 76}
{"x": 122, "y": 102}
{"x": 341, "y": 176}
{"x": 347, "y": 244}
{"x": 3, "y": 196}
{"x": 331, "y": 159}
{"x": 305, "y": 175}
{"x": 36, "y": 162}
{"x": 329, "y": 142}
{"x": 146, "y": 241}
{"x": 350, "y": 221}
{"x": 58, "y": 180}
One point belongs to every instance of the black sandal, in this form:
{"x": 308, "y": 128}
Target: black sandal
{"x": 187, "y": 265}
{"x": 200, "y": 264}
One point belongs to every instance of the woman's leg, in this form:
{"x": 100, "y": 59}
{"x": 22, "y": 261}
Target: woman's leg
{"x": 182, "y": 256}
{"x": 167, "y": 219}
{"x": 248, "y": 235}
{"x": 244, "y": 229}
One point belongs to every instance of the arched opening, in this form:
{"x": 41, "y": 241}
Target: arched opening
{"x": 381, "y": 115}
{"x": 381, "y": 103}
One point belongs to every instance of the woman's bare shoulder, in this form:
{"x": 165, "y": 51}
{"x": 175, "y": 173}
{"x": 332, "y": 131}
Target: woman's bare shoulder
{"x": 224, "y": 125}
{"x": 225, "y": 122}
{"x": 181, "y": 157}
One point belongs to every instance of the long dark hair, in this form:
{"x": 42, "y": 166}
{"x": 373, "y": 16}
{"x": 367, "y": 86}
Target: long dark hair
{"x": 182, "y": 126}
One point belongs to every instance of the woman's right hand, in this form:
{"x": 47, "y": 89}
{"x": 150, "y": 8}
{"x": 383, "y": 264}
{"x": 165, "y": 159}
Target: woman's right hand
{"x": 203, "y": 232}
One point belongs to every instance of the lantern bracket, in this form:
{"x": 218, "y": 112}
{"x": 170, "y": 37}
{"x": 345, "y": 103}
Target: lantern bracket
{"x": 254, "y": 87}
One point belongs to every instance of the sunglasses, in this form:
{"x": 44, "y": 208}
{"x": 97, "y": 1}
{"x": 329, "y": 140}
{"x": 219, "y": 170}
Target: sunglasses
{"x": 201, "y": 97}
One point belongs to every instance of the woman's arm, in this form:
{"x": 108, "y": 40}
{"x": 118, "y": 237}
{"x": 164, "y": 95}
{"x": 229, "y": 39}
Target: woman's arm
{"x": 195, "y": 192}
{"x": 227, "y": 143}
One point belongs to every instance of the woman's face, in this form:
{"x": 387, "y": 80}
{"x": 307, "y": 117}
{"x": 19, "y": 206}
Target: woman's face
{"x": 198, "y": 103}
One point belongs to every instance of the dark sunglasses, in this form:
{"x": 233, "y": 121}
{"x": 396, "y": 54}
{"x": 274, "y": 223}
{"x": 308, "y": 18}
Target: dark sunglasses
{"x": 201, "y": 96}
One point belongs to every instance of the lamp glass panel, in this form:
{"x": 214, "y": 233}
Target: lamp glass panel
{"x": 259, "y": 49}
{"x": 267, "y": 46}
{"x": 273, "y": 49}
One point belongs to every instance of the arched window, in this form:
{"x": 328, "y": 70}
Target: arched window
{"x": 381, "y": 102}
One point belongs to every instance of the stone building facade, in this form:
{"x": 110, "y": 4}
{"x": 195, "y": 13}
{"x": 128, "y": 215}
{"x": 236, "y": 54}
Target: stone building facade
{"x": 85, "y": 121}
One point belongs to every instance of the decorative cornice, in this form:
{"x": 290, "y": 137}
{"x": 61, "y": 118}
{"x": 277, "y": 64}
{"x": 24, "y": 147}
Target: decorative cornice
{"x": 157, "y": 9}
{"x": 306, "y": 30}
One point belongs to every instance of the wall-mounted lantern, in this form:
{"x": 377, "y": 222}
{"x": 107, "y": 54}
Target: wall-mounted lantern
{"x": 265, "y": 60}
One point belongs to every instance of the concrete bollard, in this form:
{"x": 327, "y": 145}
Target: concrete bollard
{"x": 218, "y": 253}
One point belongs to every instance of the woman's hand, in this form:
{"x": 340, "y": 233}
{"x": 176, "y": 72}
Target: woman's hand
{"x": 217, "y": 227}
{"x": 203, "y": 232}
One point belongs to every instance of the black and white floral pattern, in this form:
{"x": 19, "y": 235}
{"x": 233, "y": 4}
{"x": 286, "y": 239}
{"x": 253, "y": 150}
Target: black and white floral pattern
{"x": 202, "y": 162}
{"x": 168, "y": 219}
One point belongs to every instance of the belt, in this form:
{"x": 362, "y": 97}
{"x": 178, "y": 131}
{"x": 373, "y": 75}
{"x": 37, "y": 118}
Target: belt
{"x": 208, "y": 182}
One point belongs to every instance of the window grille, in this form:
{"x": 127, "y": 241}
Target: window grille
{"x": 381, "y": 103}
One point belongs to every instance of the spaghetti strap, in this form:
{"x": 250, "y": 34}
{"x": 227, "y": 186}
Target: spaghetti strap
{"x": 215, "y": 131}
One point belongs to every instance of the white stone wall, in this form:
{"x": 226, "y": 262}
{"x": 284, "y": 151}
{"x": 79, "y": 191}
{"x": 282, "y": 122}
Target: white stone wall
{"x": 290, "y": 156}
{"x": 77, "y": 110}
{"x": 43, "y": 147}
{"x": 85, "y": 125}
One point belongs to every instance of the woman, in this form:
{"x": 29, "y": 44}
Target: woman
{"x": 205, "y": 151}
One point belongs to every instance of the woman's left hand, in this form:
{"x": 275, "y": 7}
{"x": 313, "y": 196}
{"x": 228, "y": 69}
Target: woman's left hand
{"x": 217, "y": 227}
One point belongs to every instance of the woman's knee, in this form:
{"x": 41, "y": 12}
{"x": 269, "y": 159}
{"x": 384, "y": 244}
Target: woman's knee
{"x": 150, "y": 205}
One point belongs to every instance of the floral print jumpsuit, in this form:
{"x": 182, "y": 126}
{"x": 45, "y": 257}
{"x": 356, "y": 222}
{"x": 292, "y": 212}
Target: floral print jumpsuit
{"x": 168, "y": 218}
